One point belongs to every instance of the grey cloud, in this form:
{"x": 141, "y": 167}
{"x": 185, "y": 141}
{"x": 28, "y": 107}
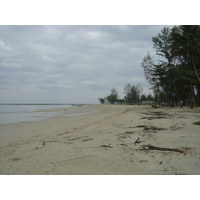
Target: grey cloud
{"x": 73, "y": 61}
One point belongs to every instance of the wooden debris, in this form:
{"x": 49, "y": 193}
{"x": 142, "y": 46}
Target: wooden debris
{"x": 156, "y": 115}
{"x": 53, "y": 141}
{"x": 175, "y": 128}
{"x": 74, "y": 138}
{"x": 148, "y": 127}
{"x": 68, "y": 142}
{"x": 150, "y": 147}
{"x": 153, "y": 106}
{"x": 128, "y": 132}
{"x": 137, "y": 141}
{"x": 15, "y": 159}
{"x": 141, "y": 161}
{"x": 124, "y": 144}
{"x": 139, "y": 126}
{"x": 106, "y": 146}
{"x": 150, "y": 118}
{"x": 84, "y": 140}
{"x": 197, "y": 123}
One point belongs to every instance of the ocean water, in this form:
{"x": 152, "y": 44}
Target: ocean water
{"x": 23, "y": 113}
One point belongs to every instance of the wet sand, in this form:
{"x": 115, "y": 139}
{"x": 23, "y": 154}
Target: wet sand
{"x": 110, "y": 139}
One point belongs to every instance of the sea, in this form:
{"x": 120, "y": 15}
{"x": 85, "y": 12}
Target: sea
{"x": 12, "y": 113}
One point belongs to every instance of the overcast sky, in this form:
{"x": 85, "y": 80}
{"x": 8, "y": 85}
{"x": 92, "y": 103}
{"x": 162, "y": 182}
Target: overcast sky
{"x": 71, "y": 64}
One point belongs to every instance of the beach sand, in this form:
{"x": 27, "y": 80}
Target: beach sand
{"x": 110, "y": 141}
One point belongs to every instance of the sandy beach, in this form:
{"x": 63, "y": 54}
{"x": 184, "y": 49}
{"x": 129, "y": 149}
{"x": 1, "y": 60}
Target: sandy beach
{"x": 108, "y": 140}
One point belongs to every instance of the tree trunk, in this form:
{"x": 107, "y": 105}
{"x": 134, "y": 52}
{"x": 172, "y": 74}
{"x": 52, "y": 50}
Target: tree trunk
{"x": 195, "y": 70}
{"x": 193, "y": 94}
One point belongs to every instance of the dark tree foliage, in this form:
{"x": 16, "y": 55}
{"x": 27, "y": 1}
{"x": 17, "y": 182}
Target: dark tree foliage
{"x": 113, "y": 97}
{"x": 133, "y": 93}
{"x": 102, "y": 100}
{"x": 175, "y": 78}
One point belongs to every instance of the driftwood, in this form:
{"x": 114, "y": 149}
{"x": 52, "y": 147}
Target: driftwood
{"x": 150, "y": 118}
{"x": 137, "y": 141}
{"x": 124, "y": 144}
{"x": 197, "y": 123}
{"x": 74, "y": 138}
{"x": 106, "y": 146}
{"x": 87, "y": 139}
{"x": 156, "y": 115}
{"x": 153, "y": 106}
{"x": 150, "y": 147}
{"x": 148, "y": 127}
{"x": 53, "y": 141}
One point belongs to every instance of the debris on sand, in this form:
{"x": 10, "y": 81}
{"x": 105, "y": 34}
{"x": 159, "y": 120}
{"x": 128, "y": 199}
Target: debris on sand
{"x": 197, "y": 123}
{"x": 155, "y": 115}
{"x": 150, "y": 147}
{"x": 150, "y": 128}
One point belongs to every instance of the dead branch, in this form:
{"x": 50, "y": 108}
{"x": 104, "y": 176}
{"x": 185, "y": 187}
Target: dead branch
{"x": 137, "y": 141}
{"x": 148, "y": 127}
{"x": 68, "y": 142}
{"x": 83, "y": 147}
{"x": 128, "y": 132}
{"x": 153, "y": 106}
{"x": 150, "y": 118}
{"x": 52, "y": 141}
{"x": 87, "y": 139}
{"x": 106, "y": 146}
{"x": 124, "y": 144}
{"x": 139, "y": 126}
{"x": 150, "y": 147}
{"x": 74, "y": 139}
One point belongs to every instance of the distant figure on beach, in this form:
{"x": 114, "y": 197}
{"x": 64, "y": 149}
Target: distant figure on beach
{"x": 65, "y": 110}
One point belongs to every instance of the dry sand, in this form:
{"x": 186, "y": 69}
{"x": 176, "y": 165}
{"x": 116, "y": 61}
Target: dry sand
{"x": 104, "y": 142}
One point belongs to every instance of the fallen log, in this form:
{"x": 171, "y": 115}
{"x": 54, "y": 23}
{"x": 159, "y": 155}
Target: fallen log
{"x": 150, "y": 147}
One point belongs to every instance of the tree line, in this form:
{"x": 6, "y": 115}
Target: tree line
{"x": 175, "y": 76}
{"x": 133, "y": 95}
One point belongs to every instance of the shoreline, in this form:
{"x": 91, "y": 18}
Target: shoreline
{"x": 103, "y": 142}
{"x": 25, "y": 114}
